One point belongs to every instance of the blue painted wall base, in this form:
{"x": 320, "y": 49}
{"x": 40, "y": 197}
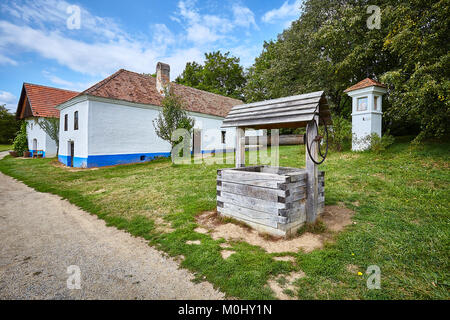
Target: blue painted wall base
{"x": 94, "y": 161}
{"x": 110, "y": 159}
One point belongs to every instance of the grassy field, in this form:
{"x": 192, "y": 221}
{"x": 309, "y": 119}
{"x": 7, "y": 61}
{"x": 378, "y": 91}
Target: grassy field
{"x": 401, "y": 199}
{"x": 5, "y": 147}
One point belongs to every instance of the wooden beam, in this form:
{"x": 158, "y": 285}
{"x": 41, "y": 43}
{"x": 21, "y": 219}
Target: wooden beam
{"x": 240, "y": 147}
{"x": 313, "y": 174}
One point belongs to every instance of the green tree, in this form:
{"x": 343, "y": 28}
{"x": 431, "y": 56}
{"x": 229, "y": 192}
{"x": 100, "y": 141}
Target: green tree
{"x": 51, "y": 127}
{"x": 330, "y": 47}
{"x": 173, "y": 116}
{"x": 419, "y": 86}
{"x": 8, "y": 126}
{"x": 20, "y": 144}
{"x": 221, "y": 74}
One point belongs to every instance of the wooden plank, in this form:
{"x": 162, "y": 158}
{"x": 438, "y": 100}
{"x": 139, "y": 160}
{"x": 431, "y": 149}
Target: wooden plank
{"x": 279, "y": 100}
{"x": 240, "y": 148}
{"x": 245, "y": 176}
{"x": 290, "y": 105}
{"x": 251, "y": 203}
{"x": 296, "y": 195}
{"x": 312, "y": 180}
{"x": 250, "y": 214}
{"x": 292, "y": 185}
{"x": 270, "y": 184}
{"x": 274, "y": 120}
{"x": 300, "y": 208}
{"x": 297, "y": 176}
{"x": 308, "y": 108}
{"x": 252, "y": 191}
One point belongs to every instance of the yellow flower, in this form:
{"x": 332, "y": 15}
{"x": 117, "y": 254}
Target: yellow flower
{"x": 353, "y": 254}
{"x": 359, "y": 273}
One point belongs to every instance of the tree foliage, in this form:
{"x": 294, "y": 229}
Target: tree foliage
{"x": 221, "y": 74}
{"x": 172, "y": 117}
{"x": 330, "y": 47}
{"x": 51, "y": 127}
{"x": 8, "y": 126}
{"x": 20, "y": 144}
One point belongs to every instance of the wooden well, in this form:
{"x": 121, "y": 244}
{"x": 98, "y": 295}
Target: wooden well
{"x": 277, "y": 200}
{"x": 269, "y": 199}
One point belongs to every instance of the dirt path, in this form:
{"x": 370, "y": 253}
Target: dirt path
{"x": 42, "y": 235}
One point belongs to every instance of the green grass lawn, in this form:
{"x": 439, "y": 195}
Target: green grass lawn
{"x": 401, "y": 199}
{"x": 5, "y": 147}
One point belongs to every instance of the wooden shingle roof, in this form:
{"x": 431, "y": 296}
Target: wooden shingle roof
{"x": 134, "y": 87}
{"x": 289, "y": 112}
{"x": 41, "y": 100}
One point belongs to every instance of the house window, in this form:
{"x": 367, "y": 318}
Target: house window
{"x": 375, "y": 103}
{"x": 362, "y": 104}
{"x": 223, "y": 136}
{"x": 66, "y": 120}
{"x": 75, "y": 120}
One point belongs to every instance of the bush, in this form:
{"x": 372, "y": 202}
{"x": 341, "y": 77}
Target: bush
{"x": 379, "y": 144}
{"x": 340, "y": 134}
{"x": 376, "y": 143}
{"x": 20, "y": 144}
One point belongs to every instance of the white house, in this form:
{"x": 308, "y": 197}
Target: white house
{"x": 367, "y": 111}
{"x": 112, "y": 122}
{"x": 37, "y": 102}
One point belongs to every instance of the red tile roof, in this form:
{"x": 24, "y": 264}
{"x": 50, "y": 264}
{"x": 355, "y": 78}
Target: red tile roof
{"x": 134, "y": 87}
{"x": 43, "y": 100}
{"x": 364, "y": 84}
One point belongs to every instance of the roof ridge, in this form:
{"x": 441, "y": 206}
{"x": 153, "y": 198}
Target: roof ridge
{"x": 178, "y": 84}
{"x": 41, "y": 85}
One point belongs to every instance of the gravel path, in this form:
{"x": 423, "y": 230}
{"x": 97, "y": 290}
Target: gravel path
{"x": 41, "y": 235}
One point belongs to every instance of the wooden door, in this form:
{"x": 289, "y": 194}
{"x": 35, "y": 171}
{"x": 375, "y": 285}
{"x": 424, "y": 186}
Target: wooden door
{"x": 72, "y": 151}
{"x": 197, "y": 142}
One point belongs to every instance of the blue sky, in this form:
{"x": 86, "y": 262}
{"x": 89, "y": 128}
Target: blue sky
{"x": 39, "y": 45}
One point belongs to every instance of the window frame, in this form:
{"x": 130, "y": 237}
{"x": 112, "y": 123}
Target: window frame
{"x": 75, "y": 120}
{"x": 66, "y": 122}
{"x": 360, "y": 99}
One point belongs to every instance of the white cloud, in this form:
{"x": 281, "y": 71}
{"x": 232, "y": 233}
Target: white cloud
{"x": 41, "y": 13}
{"x": 101, "y": 46}
{"x": 243, "y": 16}
{"x": 68, "y": 85}
{"x": 162, "y": 36}
{"x": 6, "y": 60}
{"x": 288, "y": 11}
{"x": 88, "y": 58}
{"x": 210, "y": 28}
{"x": 9, "y": 100}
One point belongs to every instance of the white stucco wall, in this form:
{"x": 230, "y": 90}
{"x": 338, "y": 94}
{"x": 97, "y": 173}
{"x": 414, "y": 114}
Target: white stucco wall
{"x": 114, "y": 128}
{"x": 79, "y": 137}
{"x": 124, "y": 129}
{"x": 44, "y": 142}
{"x": 121, "y": 129}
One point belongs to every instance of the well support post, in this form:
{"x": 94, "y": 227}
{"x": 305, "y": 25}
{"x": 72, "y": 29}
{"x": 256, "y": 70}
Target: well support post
{"x": 312, "y": 194}
{"x": 240, "y": 147}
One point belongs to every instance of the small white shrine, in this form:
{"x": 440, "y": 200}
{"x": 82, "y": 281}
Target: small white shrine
{"x": 366, "y": 111}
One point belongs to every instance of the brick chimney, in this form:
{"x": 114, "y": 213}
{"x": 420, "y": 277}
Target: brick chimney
{"x": 162, "y": 77}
